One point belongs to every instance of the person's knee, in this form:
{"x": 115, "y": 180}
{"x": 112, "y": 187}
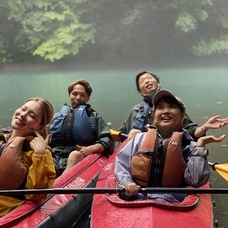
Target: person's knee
{"x": 74, "y": 156}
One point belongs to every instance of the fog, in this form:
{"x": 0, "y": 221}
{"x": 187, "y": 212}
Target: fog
{"x": 114, "y": 34}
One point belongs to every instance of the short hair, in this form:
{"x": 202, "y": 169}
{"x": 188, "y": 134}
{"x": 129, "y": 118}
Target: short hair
{"x": 140, "y": 74}
{"x": 82, "y": 82}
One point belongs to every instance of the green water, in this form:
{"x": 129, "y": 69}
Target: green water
{"x": 204, "y": 92}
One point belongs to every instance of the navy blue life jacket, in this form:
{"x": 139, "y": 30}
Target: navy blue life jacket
{"x": 142, "y": 118}
{"x": 71, "y": 127}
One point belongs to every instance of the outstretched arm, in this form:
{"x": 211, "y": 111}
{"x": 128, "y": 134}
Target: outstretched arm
{"x": 197, "y": 171}
{"x": 201, "y": 142}
{"x": 214, "y": 122}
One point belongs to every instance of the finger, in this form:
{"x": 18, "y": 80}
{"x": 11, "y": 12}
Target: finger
{"x": 79, "y": 147}
{"x": 48, "y": 138}
{"x": 222, "y": 137}
{"x": 222, "y": 120}
{"x": 218, "y": 116}
{"x": 223, "y": 124}
{"x": 219, "y": 139}
{"x": 37, "y": 133}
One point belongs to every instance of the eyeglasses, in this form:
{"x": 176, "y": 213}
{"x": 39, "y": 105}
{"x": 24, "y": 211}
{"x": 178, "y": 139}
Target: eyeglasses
{"x": 142, "y": 80}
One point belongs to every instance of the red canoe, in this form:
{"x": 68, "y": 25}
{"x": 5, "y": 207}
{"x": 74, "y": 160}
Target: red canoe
{"x": 108, "y": 210}
{"x": 60, "y": 210}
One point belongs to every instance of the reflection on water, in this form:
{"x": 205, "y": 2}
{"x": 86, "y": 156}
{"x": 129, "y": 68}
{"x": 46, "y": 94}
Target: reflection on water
{"x": 204, "y": 92}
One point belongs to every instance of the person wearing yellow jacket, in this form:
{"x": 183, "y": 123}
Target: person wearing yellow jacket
{"x": 25, "y": 160}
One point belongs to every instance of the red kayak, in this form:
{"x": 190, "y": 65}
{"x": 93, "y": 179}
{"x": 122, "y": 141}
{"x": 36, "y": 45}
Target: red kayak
{"x": 108, "y": 210}
{"x": 60, "y": 210}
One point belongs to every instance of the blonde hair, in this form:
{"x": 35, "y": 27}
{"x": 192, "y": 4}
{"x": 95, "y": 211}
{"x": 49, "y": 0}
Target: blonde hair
{"x": 46, "y": 108}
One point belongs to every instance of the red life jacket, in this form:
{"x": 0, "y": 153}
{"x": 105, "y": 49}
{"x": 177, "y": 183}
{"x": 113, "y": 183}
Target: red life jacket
{"x": 12, "y": 170}
{"x": 159, "y": 163}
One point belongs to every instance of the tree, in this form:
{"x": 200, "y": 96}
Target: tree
{"x": 206, "y": 22}
{"x": 112, "y": 30}
{"x": 47, "y": 28}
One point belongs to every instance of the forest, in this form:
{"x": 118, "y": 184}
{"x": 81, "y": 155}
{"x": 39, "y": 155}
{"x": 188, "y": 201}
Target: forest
{"x": 112, "y": 31}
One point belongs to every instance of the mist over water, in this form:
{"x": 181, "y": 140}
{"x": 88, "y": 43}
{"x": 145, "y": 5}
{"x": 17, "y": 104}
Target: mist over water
{"x": 203, "y": 91}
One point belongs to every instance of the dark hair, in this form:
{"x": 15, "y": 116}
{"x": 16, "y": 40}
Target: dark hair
{"x": 144, "y": 72}
{"x": 82, "y": 82}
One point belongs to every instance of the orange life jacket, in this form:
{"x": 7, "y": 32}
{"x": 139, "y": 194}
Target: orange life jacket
{"x": 12, "y": 169}
{"x": 159, "y": 163}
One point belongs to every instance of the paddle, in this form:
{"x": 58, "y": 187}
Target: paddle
{"x": 222, "y": 169}
{"x": 117, "y": 135}
{"x": 113, "y": 190}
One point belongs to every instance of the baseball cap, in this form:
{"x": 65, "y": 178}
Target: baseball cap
{"x": 165, "y": 93}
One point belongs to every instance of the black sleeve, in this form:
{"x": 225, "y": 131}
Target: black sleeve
{"x": 2, "y": 147}
{"x": 190, "y": 126}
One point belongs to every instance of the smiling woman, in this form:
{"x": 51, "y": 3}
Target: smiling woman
{"x": 26, "y": 161}
{"x": 34, "y": 115}
{"x": 164, "y": 156}
{"x": 167, "y": 111}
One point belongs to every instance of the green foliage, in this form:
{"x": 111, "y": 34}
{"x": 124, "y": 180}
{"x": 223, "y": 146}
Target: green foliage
{"x": 53, "y": 30}
{"x": 48, "y": 28}
{"x": 3, "y": 53}
{"x": 65, "y": 41}
{"x": 186, "y": 22}
{"x": 191, "y": 14}
{"x": 212, "y": 46}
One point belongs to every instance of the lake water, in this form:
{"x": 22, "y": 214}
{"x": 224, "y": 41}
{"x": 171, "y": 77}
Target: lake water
{"x": 204, "y": 92}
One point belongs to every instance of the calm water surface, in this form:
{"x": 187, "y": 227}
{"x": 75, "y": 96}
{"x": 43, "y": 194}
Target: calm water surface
{"x": 204, "y": 92}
